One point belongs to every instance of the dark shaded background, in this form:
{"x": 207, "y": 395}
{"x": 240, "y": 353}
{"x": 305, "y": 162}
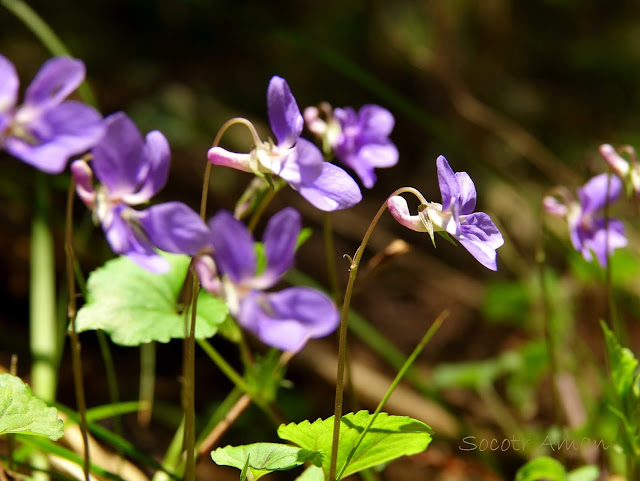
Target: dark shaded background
{"x": 518, "y": 94}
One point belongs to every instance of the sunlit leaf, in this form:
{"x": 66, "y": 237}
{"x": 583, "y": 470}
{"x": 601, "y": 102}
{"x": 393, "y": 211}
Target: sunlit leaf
{"x": 542, "y": 468}
{"x": 135, "y": 306}
{"x": 263, "y": 458}
{"x": 22, "y": 412}
{"x": 390, "y": 437}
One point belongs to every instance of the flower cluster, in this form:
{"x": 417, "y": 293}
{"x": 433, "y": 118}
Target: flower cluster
{"x": 124, "y": 170}
{"x": 359, "y": 140}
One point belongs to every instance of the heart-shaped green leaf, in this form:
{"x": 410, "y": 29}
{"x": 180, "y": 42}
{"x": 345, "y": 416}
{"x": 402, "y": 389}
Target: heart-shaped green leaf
{"x": 22, "y": 412}
{"x": 389, "y": 437}
{"x": 135, "y": 306}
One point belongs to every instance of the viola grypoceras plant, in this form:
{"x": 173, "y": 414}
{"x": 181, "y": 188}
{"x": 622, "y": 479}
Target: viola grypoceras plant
{"x": 360, "y": 140}
{"x": 131, "y": 171}
{"x": 455, "y": 216}
{"x": 46, "y": 129}
{"x": 589, "y": 230}
{"x": 285, "y": 319}
{"x": 294, "y": 159}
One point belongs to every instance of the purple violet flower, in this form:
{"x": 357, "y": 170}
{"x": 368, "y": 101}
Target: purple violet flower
{"x": 585, "y": 218}
{"x": 131, "y": 171}
{"x": 359, "y": 140}
{"x": 46, "y": 130}
{"x": 296, "y": 160}
{"x": 284, "y": 319}
{"x": 474, "y": 230}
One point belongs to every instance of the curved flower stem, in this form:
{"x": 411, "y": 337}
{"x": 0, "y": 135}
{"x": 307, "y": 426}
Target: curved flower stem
{"x": 76, "y": 359}
{"x": 342, "y": 343}
{"x": 216, "y": 142}
{"x": 191, "y": 281}
{"x": 403, "y": 370}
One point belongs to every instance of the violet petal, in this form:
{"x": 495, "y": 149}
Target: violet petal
{"x": 449, "y": 187}
{"x": 55, "y": 80}
{"x": 233, "y": 246}
{"x": 126, "y": 240}
{"x": 68, "y": 129}
{"x": 593, "y": 195}
{"x": 284, "y": 115}
{"x": 303, "y": 165}
{"x": 158, "y": 155}
{"x": 280, "y": 238}
{"x": 333, "y": 190}
{"x": 467, "y": 193}
{"x": 175, "y": 227}
{"x": 286, "y": 319}
{"x": 119, "y": 159}
{"x": 9, "y": 84}
{"x": 375, "y": 121}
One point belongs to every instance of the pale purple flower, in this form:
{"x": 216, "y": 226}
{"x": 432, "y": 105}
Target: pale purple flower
{"x": 629, "y": 172}
{"x": 455, "y": 216}
{"x": 284, "y": 319}
{"x": 131, "y": 170}
{"x": 46, "y": 130}
{"x": 360, "y": 140}
{"x": 586, "y": 219}
{"x": 292, "y": 158}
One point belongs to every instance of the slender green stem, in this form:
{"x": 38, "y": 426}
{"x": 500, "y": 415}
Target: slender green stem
{"x": 43, "y": 320}
{"x": 330, "y": 255}
{"x": 76, "y": 358}
{"x": 189, "y": 382}
{"x": 172, "y": 457}
{"x": 45, "y": 342}
{"x": 147, "y": 382}
{"x": 342, "y": 343}
{"x": 47, "y": 37}
{"x": 403, "y": 370}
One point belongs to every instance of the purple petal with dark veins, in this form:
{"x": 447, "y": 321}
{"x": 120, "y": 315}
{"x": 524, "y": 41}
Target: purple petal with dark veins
{"x": 480, "y": 236}
{"x": 287, "y": 319}
{"x": 119, "y": 159}
{"x": 68, "y": 129}
{"x": 126, "y": 239}
{"x": 175, "y": 227}
{"x": 333, "y": 190}
{"x": 449, "y": 187}
{"x": 593, "y": 195}
{"x": 9, "y": 84}
{"x": 233, "y": 246}
{"x": 284, "y": 115}
{"x": 158, "y": 155}
{"x": 303, "y": 165}
{"x": 467, "y": 193}
{"x": 55, "y": 80}
{"x": 280, "y": 238}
